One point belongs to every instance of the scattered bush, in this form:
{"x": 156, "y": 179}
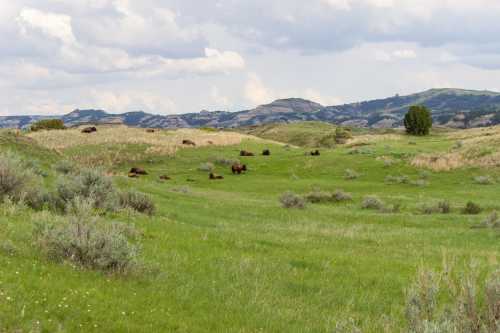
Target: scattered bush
{"x": 292, "y": 200}
{"x": 419, "y": 182}
{"x": 397, "y": 179}
{"x": 424, "y": 313}
{"x": 317, "y": 196}
{"x": 138, "y": 201}
{"x": 342, "y": 135}
{"x": 48, "y": 124}
{"x": 442, "y": 207}
{"x": 483, "y": 180}
{"x": 471, "y": 208}
{"x": 418, "y": 120}
{"x": 207, "y": 167}
{"x": 351, "y": 174}
{"x": 86, "y": 241}
{"x": 65, "y": 167}
{"x": 225, "y": 161}
{"x": 458, "y": 145}
{"x": 492, "y": 221}
{"x": 372, "y": 202}
{"x": 90, "y": 184}
{"x": 15, "y": 178}
{"x": 35, "y": 167}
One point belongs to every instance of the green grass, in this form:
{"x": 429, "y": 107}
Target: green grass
{"x": 225, "y": 257}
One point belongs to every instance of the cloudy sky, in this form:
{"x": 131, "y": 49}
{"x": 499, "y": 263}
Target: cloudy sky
{"x": 178, "y": 56}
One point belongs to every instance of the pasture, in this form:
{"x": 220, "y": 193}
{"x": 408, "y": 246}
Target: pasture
{"x": 225, "y": 256}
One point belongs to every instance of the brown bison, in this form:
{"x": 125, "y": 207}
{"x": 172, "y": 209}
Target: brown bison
{"x": 246, "y": 153}
{"x": 315, "y": 153}
{"x": 138, "y": 171}
{"x": 150, "y": 130}
{"x": 165, "y": 177}
{"x": 266, "y": 152}
{"x": 188, "y": 143}
{"x": 213, "y": 176}
{"x": 89, "y": 129}
{"x": 238, "y": 168}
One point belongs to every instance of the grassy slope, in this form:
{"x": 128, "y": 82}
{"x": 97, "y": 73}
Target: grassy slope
{"x": 227, "y": 258}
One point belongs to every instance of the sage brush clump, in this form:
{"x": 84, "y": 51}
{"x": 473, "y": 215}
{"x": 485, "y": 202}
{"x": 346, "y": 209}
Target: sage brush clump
{"x": 292, "y": 200}
{"x": 137, "y": 201}
{"x": 86, "y": 241}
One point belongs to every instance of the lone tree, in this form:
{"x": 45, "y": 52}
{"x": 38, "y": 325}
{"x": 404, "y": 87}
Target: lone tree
{"x": 418, "y": 120}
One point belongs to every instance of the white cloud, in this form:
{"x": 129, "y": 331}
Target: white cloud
{"x": 53, "y": 25}
{"x": 256, "y": 92}
{"x": 317, "y": 97}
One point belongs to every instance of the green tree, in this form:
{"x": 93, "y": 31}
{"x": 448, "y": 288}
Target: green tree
{"x": 418, "y": 120}
{"x": 47, "y": 124}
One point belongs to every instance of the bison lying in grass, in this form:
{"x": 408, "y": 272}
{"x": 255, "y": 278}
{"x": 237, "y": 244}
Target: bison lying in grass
{"x": 213, "y": 176}
{"x": 188, "y": 143}
{"x": 89, "y": 130}
{"x": 246, "y": 153}
{"x": 238, "y": 168}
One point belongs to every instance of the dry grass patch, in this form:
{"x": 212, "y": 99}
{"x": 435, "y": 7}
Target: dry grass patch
{"x": 369, "y": 139}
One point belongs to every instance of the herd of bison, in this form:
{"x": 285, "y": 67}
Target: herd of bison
{"x": 236, "y": 168}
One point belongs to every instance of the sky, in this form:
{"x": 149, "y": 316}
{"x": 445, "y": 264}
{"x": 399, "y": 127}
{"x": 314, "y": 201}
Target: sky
{"x": 180, "y": 56}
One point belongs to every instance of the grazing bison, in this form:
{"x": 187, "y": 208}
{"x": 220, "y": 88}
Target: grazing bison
{"x": 150, "y": 130}
{"x": 210, "y": 142}
{"x": 89, "y": 129}
{"x": 188, "y": 143}
{"x": 246, "y": 153}
{"x": 266, "y": 152}
{"x": 165, "y": 177}
{"x": 138, "y": 171}
{"x": 238, "y": 168}
{"x": 315, "y": 153}
{"x": 213, "y": 176}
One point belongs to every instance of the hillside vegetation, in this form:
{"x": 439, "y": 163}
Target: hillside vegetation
{"x": 340, "y": 242}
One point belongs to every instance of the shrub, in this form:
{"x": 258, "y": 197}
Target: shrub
{"x": 35, "y": 167}
{"x": 471, "y": 208}
{"x": 48, "y": 124}
{"x": 424, "y": 313}
{"x": 65, "y": 167}
{"x": 319, "y": 197}
{"x": 89, "y": 184}
{"x": 483, "y": 180}
{"x": 226, "y": 161}
{"x": 86, "y": 241}
{"x": 418, "y": 120}
{"x": 442, "y": 207}
{"x": 208, "y": 167}
{"x": 419, "y": 182}
{"x": 342, "y": 135}
{"x": 492, "y": 221}
{"x": 372, "y": 202}
{"x": 292, "y": 200}
{"x": 15, "y": 179}
{"x": 351, "y": 174}
{"x": 138, "y": 201}
{"x": 397, "y": 179}
{"x": 340, "y": 195}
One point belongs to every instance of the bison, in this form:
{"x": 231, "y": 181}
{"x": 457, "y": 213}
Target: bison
{"x": 138, "y": 171}
{"x": 266, "y": 152}
{"x": 246, "y": 153}
{"x": 213, "y": 176}
{"x": 315, "y": 153}
{"x": 238, "y": 168}
{"x": 89, "y": 129}
{"x": 165, "y": 177}
{"x": 150, "y": 130}
{"x": 188, "y": 143}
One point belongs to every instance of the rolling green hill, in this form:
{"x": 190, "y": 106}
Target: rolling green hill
{"x": 225, "y": 256}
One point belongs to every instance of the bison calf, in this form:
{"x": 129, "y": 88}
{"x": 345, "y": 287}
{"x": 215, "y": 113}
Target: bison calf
{"x": 315, "y": 153}
{"x": 138, "y": 171}
{"x": 266, "y": 152}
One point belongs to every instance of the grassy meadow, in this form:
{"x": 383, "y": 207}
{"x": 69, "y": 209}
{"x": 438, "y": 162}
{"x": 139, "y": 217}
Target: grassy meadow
{"x": 225, "y": 256}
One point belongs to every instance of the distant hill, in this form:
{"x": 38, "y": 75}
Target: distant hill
{"x": 450, "y": 107}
